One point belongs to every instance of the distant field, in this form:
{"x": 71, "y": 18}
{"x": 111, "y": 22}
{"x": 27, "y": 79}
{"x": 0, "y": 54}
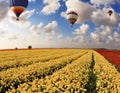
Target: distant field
{"x": 57, "y": 71}
{"x": 112, "y": 55}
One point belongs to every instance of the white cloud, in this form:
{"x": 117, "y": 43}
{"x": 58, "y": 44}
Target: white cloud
{"x": 50, "y": 28}
{"x": 102, "y": 2}
{"x": 84, "y": 10}
{"x": 102, "y": 37}
{"x": 23, "y": 19}
{"x": 105, "y": 35}
{"x": 74, "y": 42}
{"x": 90, "y": 12}
{"x": 82, "y": 30}
{"x": 4, "y": 8}
{"x": 36, "y": 29}
{"x": 95, "y": 36}
{"x": 1, "y": 33}
{"x": 3, "y": 29}
{"x": 101, "y": 17}
{"x": 32, "y": 0}
{"x": 60, "y": 36}
{"x": 102, "y": 34}
{"x": 12, "y": 37}
{"x": 115, "y": 38}
{"x": 116, "y": 35}
{"x": 119, "y": 27}
{"x": 64, "y": 14}
{"x": 51, "y": 6}
{"x": 78, "y": 39}
{"x": 50, "y": 38}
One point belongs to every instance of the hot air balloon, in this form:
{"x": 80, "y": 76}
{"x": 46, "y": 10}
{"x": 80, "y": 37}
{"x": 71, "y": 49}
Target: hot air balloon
{"x": 18, "y": 6}
{"x": 72, "y": 17}
{"x": 110, "y": 12}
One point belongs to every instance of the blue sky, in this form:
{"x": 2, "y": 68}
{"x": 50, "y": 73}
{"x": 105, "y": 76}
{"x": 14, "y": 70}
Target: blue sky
{"x": 44, "y": 25}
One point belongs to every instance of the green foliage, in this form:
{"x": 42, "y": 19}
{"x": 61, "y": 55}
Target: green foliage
{"x": 29, "y": 47}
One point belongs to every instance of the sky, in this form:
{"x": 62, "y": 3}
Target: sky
{"x": 44, "y": 24}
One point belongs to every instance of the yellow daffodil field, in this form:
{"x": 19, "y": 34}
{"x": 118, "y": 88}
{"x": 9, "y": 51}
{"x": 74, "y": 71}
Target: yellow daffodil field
{"x": 57, "y": 71}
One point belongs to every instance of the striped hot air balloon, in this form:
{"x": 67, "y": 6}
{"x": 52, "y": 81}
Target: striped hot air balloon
{"x": 18, "y": 6}
{"x": 72, "y": 17}
{"x": 110, "y": 12}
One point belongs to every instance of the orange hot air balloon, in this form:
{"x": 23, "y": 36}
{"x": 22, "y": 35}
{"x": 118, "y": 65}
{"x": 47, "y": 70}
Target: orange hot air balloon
{"x": 18, "y": 6}
{"x": 72, "y": 17}
{"x": 110, "y": 12}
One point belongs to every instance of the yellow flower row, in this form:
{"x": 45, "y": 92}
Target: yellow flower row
{"x": 12, "y": 77}
{"x": 27, "y": 59}
{"x": 70, "y": 79}
{"x": 108, "y": 78}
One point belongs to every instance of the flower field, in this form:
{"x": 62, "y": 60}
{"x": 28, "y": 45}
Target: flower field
{"x": 112, "y": 55}
{"x": 57, "y": 71}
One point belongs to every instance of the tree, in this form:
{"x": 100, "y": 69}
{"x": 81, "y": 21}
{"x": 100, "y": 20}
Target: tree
{"x": 29, "y": 47}
{"x": 16, "y": 48}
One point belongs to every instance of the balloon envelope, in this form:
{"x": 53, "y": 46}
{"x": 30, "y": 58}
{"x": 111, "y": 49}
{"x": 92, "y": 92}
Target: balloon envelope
{"x": 18, "y": 6}
{"x": 110, "y": 12}
{"x": 72, "y": 17}
{"x": 23, "y": 3}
